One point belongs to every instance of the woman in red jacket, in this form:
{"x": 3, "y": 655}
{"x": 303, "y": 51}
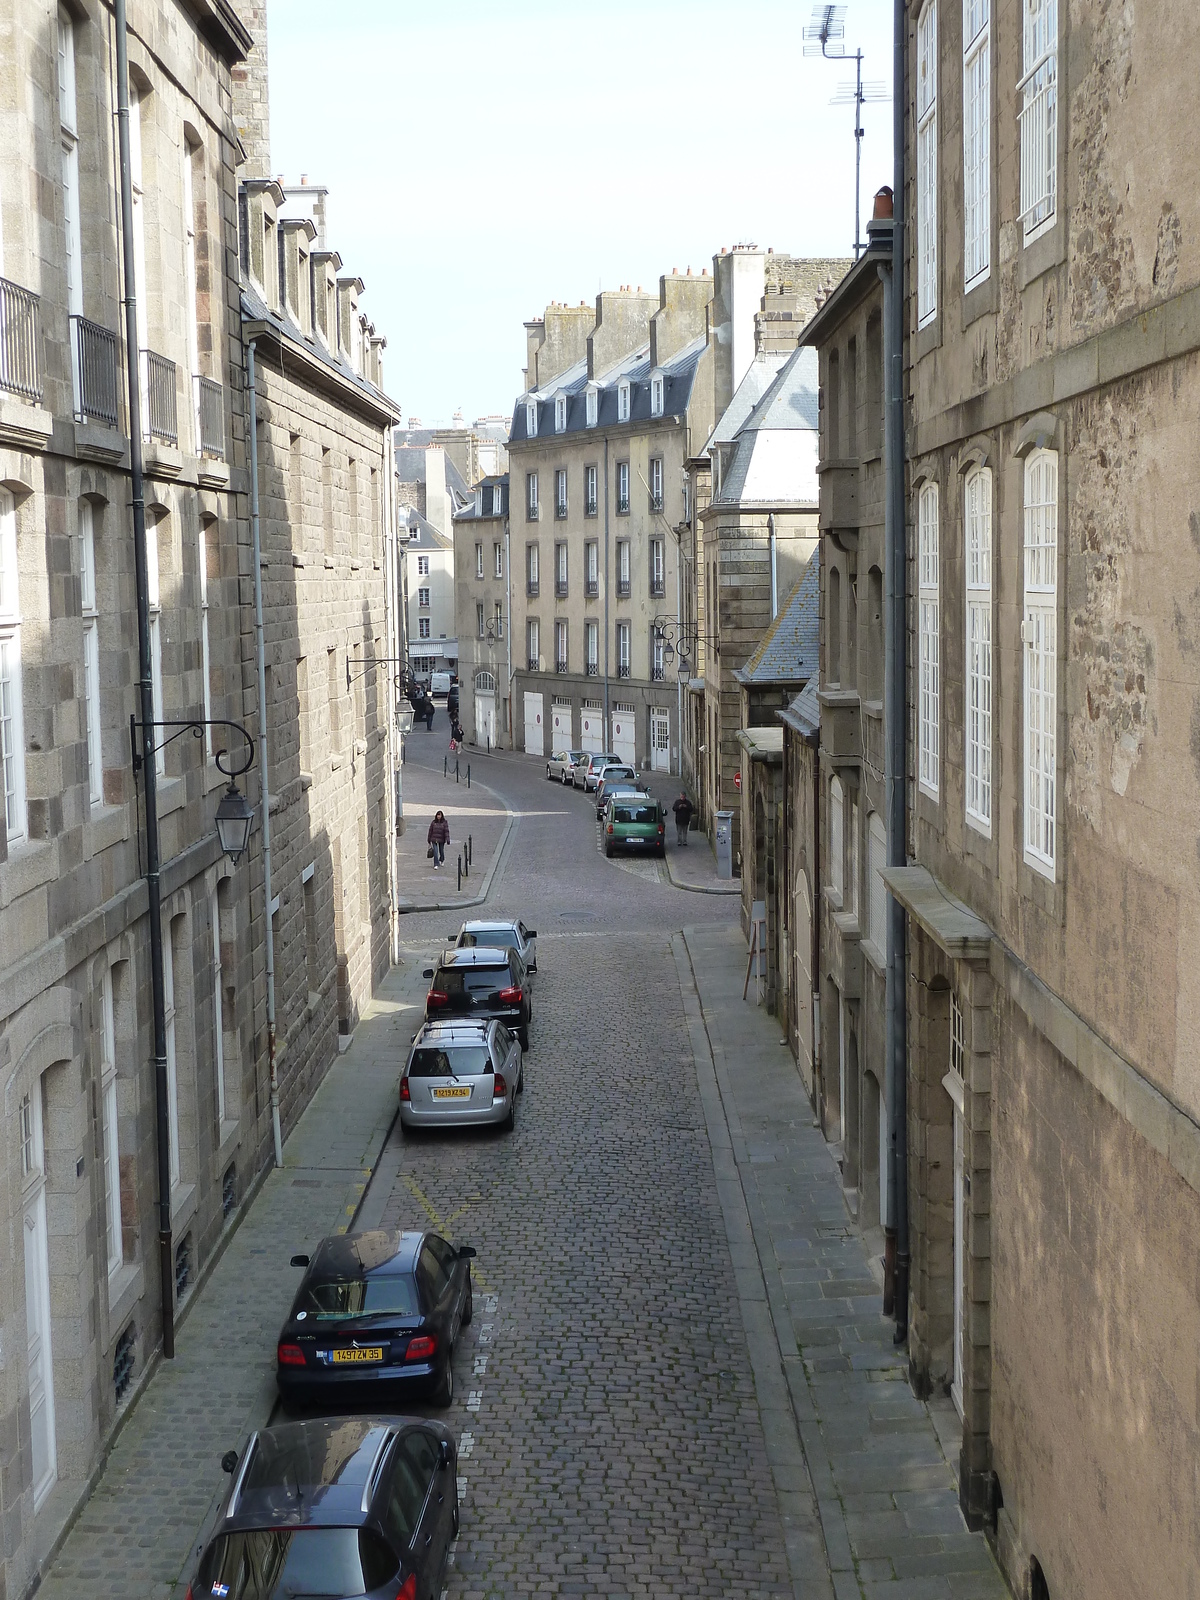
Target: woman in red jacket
{"x": 439, "y": 837}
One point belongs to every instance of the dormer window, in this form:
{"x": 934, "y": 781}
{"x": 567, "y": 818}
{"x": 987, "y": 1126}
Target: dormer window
{"x": 531, "y": 419}
{"x": 479, "y": 502}
{"x": 593, "y": 407}
{"x": 623, "y": 400}
{"x": 560, "y": 413}
{"x": 656, "y": 395}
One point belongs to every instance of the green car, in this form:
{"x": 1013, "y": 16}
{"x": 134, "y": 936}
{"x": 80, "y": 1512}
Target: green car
{"x": 634, "y": 822}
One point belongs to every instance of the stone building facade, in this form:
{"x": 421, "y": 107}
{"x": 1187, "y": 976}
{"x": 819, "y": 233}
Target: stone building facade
{"x": 1053, "y": 898}
{"x": 428, "y": 558}
{"x": 596, "y": 454}
{"x": 80, "y": 1289}
{"x": 482, "y": 605}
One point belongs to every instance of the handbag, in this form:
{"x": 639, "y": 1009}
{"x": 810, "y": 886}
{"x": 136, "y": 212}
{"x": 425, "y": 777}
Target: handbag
{"x": 429, "y": 854}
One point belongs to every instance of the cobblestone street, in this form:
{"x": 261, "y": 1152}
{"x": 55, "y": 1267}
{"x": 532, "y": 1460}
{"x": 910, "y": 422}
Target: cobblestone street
{"x": 673, "y": 1343}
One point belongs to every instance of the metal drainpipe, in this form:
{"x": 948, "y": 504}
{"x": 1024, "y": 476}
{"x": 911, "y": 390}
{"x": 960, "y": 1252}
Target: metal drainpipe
{"x": 774, "y": 567}
{"x": 607, "y": 579}
{"x": 263, "y": 767}
{"x": 895, "y": 690}
{"x": 162, "y": 1127}
{"x": 512, "y": 732}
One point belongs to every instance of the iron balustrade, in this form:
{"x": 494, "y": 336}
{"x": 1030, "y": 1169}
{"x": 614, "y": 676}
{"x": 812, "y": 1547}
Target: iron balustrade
{"x": 623, "y": 670}
{"x": 589, "y": 509}
{"x": 97, "y": 369}
{"x": 657, "y": 674}
{"x": 658, "y": 588}
{"x": 593, "y": 669}
{"x": 656, "y": 502}
{"x": 534, "y": 664}
{"x": 531, "y": 588}
{"x": 560, "y": 510}
{"x": 210, "y": 412}
{"x": 622, "y": 588}
{"x": 20, "y": 341}
{"x": 591, "y": 589}
{"x": 560, "y": 666}
{"x": 560, "y": 588}
{"x": 161, "y": 402}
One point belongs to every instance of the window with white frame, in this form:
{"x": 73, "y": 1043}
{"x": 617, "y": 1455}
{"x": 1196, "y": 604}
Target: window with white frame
{"x": 977, "y": 136}
{"x": 929, "y": 683}
{"x": 656, "y": 396}
{"x": 497, "y": 499}
{"x": 927, "y": 164}
{"x": 12, "y": 726}
{"x": 658, "y": 568}
{"x": 207, "y": 530}
{"x": 497, "y": 560}
{"x": 214, "y": 909}
{"x": 593, "y": 407}
{"x": 156, "y": 681}
{"x": 531, "y": 495}
{"x": 531, "y": 568}
{"x": 623, "y": 400}
{"x": 423, "y": 599}
{"x": 191, "y": 154}
{"x": 560, "y": 413}
{"x": 851, "y": 894}
{"x": 423, "y": 563}
{"x": 589, "y": 492}
{"x": 622, "y": 488}
{"x": 560, "y": 646}
{"x": 1039, "y": 635}
{"x": 977, "y": 496}
{"x": 478, "y": 562}
{"x": 531, "y": 419}
{"x": 498, "y": 619}
{"x": 533, "y": 644}
{"x": 91, "y": 650}
{"x": 480, "y": 622}
{"x": 560, "y": 491}
{"x": 69, "y": 133}
{"x": 168, "y": 959}
{"x": 623, "y": 564}
{"x": 656, "y": 483}
{"x": 658, "y": 656}
{"x": 109, "y": 1133}
{"x": 1039, "y": 116}
{"x": 591, "y": 557}
{"x": 623, "y": 663}
{"x": 877, "y": 889}
{"x": 423, "y": 631}
{"x": 591, "y": 642}
{"x": 837, "y": 840}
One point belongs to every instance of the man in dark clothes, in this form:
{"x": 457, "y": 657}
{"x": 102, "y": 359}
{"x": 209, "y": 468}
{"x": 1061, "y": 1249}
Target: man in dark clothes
{"x": 683, "y": 810}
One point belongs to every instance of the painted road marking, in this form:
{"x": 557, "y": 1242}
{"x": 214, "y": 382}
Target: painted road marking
{"x": 474, "y": 1399}
{"x": 466, "y": 1444}
{"x": 485, "y": 1332}
{"x": 480, "y": 1366}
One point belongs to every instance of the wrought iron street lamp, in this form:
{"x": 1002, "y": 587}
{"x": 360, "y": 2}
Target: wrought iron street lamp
{"x": 235, "y": 817}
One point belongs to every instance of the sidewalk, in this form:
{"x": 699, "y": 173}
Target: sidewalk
{"x": 476, "y": 813}
{"x": 137, "y": 1535}
{"x": 881, "y": 1465}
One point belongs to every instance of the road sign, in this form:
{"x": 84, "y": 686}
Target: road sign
{"x": 737, "y": 782}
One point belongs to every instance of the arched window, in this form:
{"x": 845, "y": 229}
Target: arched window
{"x": 837, "y": 839}
{"x": 485, "y": 681}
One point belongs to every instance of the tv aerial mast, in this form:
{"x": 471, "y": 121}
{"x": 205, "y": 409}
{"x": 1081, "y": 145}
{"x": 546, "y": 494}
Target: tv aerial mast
{"x": 826, "y": 36}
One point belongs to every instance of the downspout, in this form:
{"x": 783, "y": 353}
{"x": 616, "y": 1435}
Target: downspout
{"x": 607, "y": 579}
{"x": 895, "y": 707}
{"x": 679, "y": 633}
{"x": 818, "y": 1095}
{"x": 774, "y": 565}
{"x": 162, "y": 1126}
{"x": 263, "y": 757}
{"x": 508, "y": 635}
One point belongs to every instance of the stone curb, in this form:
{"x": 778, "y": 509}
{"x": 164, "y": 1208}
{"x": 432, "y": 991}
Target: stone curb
{"x": 698, "y": 888}
{"x": 412, "y": 908}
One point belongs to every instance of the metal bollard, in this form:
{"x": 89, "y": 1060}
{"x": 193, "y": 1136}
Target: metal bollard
{"x": 445, "y": 765}
{"x": 468, "y": 774}
{"x": 460, "y": 869}
{"x": 456, "y": 769}
{"x": 470, "y": 848}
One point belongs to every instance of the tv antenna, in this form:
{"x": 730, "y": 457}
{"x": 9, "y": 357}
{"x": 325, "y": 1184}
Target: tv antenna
{"x": 826, "y": 36}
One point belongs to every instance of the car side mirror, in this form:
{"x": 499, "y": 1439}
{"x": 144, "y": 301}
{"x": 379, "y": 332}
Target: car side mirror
{"x": 428, "y": 972}
{"x": 445, "y": 1453}
{"x": 531, "y": 933}
{"x": 299, "y": 1261}
{"x": 229, "y": 1461}
{"x": 467, "y": 1252}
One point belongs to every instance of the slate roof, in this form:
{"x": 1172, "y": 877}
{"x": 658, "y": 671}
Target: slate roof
{"x": 255, "y": 309}
{"x": 678, "y": 376}
{"x": 757, "y": 379}
{"x": 488, "y": 486}
{"x": 410, "y": 465}
{"x": 788, "y": 651}
{"x": 804, "y": 713}
{"x": 422, "y": 535}
{"x": 773, "y": 458}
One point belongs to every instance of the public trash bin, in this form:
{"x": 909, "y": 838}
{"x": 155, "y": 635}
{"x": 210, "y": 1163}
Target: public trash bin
{"x": 724, "y": 844}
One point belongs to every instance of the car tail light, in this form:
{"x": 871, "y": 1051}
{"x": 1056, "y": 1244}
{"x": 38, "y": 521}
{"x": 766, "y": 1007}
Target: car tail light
{"x": 436, "y": 998}
{"x": 511, "y": 997}
{"x": 409, "y": 1591}
{"x": 421, "y": 1348}
{"x": 404, "y": 1094}
{"x": 291, "y": 1355}
{"x": 188, "y": 1595}
{"x": 660, "y": 827}
{"x": 500, "y": 1087}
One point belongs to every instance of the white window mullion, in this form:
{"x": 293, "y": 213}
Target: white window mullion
{"x": 929, "y": 642}
{"x": 977, "y": 219}
{"x": 927, "y": 164}
{"x": 12, "y": 721}
{"x": 978, "y": 732}
{"x": 1039, "y": 631}
{"x": 1038, "y": 88}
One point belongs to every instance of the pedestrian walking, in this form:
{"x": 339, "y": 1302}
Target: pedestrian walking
{"x": 438, "y": 838}
{"x": 683, "y": 810}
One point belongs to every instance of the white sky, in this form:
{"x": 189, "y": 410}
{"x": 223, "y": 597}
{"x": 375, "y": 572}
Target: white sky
{"x": 486, "y": 158}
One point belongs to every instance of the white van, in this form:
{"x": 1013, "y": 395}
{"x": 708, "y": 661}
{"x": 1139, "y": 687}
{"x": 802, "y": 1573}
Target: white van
{"x": 439, "y": 683}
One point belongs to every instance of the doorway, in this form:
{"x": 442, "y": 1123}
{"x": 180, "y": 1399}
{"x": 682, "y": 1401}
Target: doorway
{"x": 660, "y": 741}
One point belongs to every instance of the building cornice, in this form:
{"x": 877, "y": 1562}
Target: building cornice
{"x": 322, "y": 376}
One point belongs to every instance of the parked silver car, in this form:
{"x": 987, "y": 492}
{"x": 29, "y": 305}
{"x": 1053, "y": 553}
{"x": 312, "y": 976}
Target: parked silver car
{"x": 500, "y": 934}
{"x": 561, "y": 765}
{"x": 461, "y": 1074}
{"x": 586, "y": 772}
{"x": 615, "y": 775}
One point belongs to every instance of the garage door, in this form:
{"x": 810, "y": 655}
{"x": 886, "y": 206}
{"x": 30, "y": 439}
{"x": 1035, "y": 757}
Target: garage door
{"x": 624, "y": 734}
{"x": 560, "y": 728}
{"x": 591, "y": 726}
{"x": 535, "y": 742}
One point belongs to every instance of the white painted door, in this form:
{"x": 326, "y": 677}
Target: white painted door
{"x": 956, "y": 1386}
{"x": 591, "y": 729}
{"x": 660, "y": 741}
{"x": 624, "y": 735}
{"x": 485, "y": 719}
{"x": 560, "y": 729}
{"x": 535, "y": 741}
{"x": 39, "y": 1358}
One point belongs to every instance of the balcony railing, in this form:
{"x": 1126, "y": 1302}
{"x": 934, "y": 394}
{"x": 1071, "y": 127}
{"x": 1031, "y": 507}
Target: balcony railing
{"x": 97, "y": 372}
{"x": 657, "y": 674}
{"x": 623, "y": 670}
{"x": 560, "y": 588}
{"x": 623, "y": 506}
{"x": 560, "y": 510}
{"x": 20, "y": 341}
{"x": 658, "y": 588}
{"x": 535, "y": 663}
{"x": 593, "y": 669}
{"x": 560, "y": 666}
{"x": 591, "y": 589}
{"x": 589, "y": 509}
{"x": 531, "y": 513}
{"x": 656, "y": 501}
{"x": 160, "y": 402}
{"x": 531, "y": 588}
{"x": 210, "y": 410}
{"x": 622, "y": 588}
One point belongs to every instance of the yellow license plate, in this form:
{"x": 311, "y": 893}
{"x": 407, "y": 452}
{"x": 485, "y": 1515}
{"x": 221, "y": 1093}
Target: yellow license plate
{"x": 373, "y": 1352}
{"x": 452, "y": 1094}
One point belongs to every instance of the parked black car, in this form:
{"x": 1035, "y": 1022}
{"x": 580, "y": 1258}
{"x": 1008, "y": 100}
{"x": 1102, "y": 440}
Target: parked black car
{"x": 376, "y": 1313}
{"x": 344, "y": 1506}
{"x": 483, "y": 983}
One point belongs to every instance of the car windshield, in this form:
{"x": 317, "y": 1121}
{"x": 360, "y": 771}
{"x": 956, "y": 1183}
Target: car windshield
{"x": 462, "y": 1061}
{"x": 472, "y": 980}
{"x": 635, "y": 813}
{"x": 491, "y": 938}
{"x": 331, "y": 1299}
{"x": 279, "y": 1563}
